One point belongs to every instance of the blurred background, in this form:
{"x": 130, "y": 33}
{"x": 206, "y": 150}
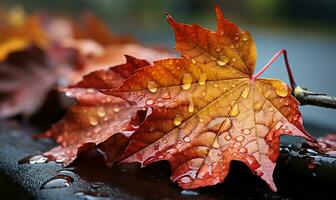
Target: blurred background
{"x": 306, "y": 28}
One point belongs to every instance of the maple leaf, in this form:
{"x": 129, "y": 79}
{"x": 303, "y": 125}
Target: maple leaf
{"x": 15, "y": 37}
{"x": 26, "y": 78}
{"x": 96, "y": 117}
{"x": 208, "y": 109}
{"x": 325, "y": 144}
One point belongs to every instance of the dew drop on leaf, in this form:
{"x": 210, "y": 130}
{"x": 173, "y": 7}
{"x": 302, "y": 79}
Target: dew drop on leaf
{"x": 186, "y": 81}
{"x": 257, "y": 106}
{"x": 149, "y": 102}
{"x": 116, "y": 109}
{"x": 234, "y": 110}
{"x": 191, "y": 106}
{"x": 242, "y": 150}
{"x": 237, "y": 144}
{"x": 282, "y": 91}
{"x": 93, "y": 121}
{"x": 223, "y": 61}
{"x": 193, "y": 61}
{"x": 245, "y": 38}
{"x": 178, "y": 120}
{"x": 90, "y": 90}
{"x": 202, "y": 79}
{"x": 152, "y": 86}
{"x": 186, "y": 139}
{"x": 228, "y": 137}
{"x": 246, "y": 131}
{"x": 240, "y": 138}
{"x": 101, "y": 112}
{"x": 245, "y": 92}
{"x": 68, "y": 94}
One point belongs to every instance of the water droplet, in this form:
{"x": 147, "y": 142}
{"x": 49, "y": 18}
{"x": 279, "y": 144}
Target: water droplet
{"x": 242, "y": 150}
{"x": 189, "y": 192}
{"x": 90, "y": 90}
{"x": 116, "y": 109}
{"x": 237, "y": 144}
{"x": 202, "y": 78}
{"x": 245, "y": 92}
{"x": 218, "y": 49}
{"x": 215, "y": 85}
{"x": 296, "y": 117}
{"x": 223, "y": 61}
{"x": 232, "y": 46}
{"x": 178, "y": 120}
{"x": 35, "y": 159}
{"x": 186, "y": 139}
{"x": 247, "y": 131}
{"x": 193, "y": 61}
{"x": 186, "y": 179}
{"x": 191, "y": 106}
{"x": 228, "y": 137}
{"x": 93, "y": 121}
{"x": 151, "y": 129}
{"x": 234, "y": 59}
{"x": 152, "y": 86}
{"x": 160, "y": 104}
{"x": 257, "y": 106}
{"x": 91, "y": 195}
{"x": 215, "y": 144}
{"x": 282, "y": 90}
{"x": 67, "y": 171}
{"x": 240, "y": 138}
{"x": 186, "y": 81}
{"x": 149, "y": 102}
{"x": 271, "y": 109}
{"x": 234, "y": 110}
{"x": 201, "y": 120}
{"x": 164, "y": 141}
{"x": 101, "y": 112}
{"x": 58, "y": 181}
{"x": 68, "y": 94}
{"x": 245, "y": 38}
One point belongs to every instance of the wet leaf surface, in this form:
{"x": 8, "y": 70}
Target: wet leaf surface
{"x": 208, "y": 109}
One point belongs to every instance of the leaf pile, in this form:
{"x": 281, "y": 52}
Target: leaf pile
{"x": 55, "y": 52}
{"x": 199, "y": 111}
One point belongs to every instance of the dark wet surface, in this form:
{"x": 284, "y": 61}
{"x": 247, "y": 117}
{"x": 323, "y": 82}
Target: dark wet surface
{"x": 299, "y": 174}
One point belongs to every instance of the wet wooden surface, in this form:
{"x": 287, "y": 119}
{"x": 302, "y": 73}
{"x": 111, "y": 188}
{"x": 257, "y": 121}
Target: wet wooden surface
{"x": 299, "y": 175}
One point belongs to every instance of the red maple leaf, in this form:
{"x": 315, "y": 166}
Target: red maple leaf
{"x": 208, "y": 109}
{"x": 96, "y": 117}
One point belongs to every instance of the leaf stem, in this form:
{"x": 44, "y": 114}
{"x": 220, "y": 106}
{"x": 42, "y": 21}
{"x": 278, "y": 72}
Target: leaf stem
{"x": 289, "y": 71}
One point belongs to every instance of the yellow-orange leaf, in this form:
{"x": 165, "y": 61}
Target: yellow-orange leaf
{"x": 207, "y": 109}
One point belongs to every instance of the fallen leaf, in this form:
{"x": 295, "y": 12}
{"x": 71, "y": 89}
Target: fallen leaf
{"x": 26, "y": 78}
{"x": 15, "y": 37}
{"x": 325, "y": 144}
{"x": 208, "y": 109}
{"x": 96, "y": 117}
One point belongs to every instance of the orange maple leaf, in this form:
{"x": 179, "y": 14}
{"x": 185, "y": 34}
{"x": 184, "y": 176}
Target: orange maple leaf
{"x": 96, "y": 117}
{"x": 208, "y": 109}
